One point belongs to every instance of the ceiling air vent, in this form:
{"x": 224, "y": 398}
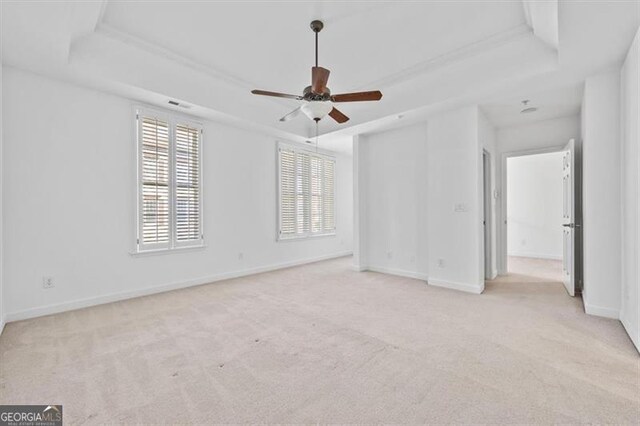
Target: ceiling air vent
{"x": 178, "y": 104}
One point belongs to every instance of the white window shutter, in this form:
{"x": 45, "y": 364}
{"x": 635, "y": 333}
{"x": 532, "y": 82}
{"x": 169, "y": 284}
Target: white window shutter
{"x": 155, "y": 183}
{"x": 307, "y": 186}
{"x": 187, "y": 185}
{"x": 170, "y": 188}
{"x": 287, "y": 192}
{"x": 316, "y": 194}
{"x": 328, "y": 196}
{"x": 302, "y": 193}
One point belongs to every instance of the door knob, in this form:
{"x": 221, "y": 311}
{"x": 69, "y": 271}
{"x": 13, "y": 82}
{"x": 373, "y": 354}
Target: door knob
{"x": 568, "y": 225}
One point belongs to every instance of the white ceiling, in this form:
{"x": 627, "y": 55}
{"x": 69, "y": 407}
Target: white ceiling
{"x": 270, "y": 45}
{"x": 551, "y": 104}
{"x": 424, "y": 56}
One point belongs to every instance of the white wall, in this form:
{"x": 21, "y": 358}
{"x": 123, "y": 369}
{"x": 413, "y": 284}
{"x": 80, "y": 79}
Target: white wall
{"x": 410, "y": 180}
{"x": 630, "y": 90}
{"x": 454, "y": 158}
{"x": 539, "y": 135}
{"x": 601, "y": 195}
{"x": 543, "y": 135}
{"x": 395, "y": 173}
{"x": 534, "y": 205}
{"x": 69, "y": 185}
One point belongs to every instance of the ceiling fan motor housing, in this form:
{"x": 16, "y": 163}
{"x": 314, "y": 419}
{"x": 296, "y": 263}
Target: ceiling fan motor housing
{"x": 308, "y": 94}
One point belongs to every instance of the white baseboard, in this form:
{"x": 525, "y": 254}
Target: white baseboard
{"x": 2, "y": 323}
{"x": 601, "y": 311}
{"x": 114, "y": 297}
{"x": 469, "y": 288}
{"x": 398, "y": 272}
{"x": 536, "y": 255}
{"x": 634, "y": 334}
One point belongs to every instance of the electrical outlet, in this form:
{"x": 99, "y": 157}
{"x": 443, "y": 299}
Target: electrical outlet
{"x": 389, "y": 255}
{"x": 47, "y": 282}
{"x": 440, "y": 263}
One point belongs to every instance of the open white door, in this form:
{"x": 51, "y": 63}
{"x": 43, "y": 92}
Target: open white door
{"x": 569, "y": 218}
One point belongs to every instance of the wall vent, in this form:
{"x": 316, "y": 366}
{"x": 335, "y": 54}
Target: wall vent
{"x": 178, "y": 104}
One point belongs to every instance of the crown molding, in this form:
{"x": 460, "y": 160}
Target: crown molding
{"x": 110, "y": 31}
{"x": 457, "y": 55}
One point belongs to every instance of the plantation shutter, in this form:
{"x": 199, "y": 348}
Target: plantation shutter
{"x": 187, "y": 185}
{"x": 155, "y": 212}
{"x": 316, "y": 194}
{"x": 307, "y": 204}
{"x": 287, "y": 192}
{"x": 169, "y": 179}
{"x": 302, "y": 193}
{"x": 328, "y": 195}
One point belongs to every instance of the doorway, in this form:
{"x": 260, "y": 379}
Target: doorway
{"x": 542, "y": 215}
{"x": 535, "y": 215}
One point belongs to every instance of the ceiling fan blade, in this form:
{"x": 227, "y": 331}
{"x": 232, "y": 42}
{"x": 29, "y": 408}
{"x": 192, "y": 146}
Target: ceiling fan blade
{"x": 375, "y": 95}
{"x": 291, "y": 115}
{"x": 276, "y": 94}
{"x": 319, "y": 78}
{"x": 338, "y": 116}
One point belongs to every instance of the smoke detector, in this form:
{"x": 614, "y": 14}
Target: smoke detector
{"x": 527, "y": 109}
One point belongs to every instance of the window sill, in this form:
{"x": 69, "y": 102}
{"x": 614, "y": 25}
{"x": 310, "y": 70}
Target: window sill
{"x": 159, "y": 252}
{"x": 306, "y": 237}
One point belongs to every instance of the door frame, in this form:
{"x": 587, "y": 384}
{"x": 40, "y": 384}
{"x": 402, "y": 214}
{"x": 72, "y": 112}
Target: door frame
{"x": 487, "y": 212}
{"x": 502, "y": 246}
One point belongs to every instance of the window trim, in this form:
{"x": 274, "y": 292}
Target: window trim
{"x": 319, "y": 153}
{"x": 172, "y": 118}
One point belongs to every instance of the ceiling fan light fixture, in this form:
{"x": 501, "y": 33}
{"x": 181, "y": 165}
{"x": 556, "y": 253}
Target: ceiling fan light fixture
{"x": 317, "y": 110}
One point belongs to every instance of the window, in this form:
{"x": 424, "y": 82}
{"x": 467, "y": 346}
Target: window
{"x": 169, "y": 182}
{"x": 307, "y": 193}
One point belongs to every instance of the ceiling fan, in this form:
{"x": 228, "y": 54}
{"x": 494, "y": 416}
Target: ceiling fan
{"x": 318, "y": 100}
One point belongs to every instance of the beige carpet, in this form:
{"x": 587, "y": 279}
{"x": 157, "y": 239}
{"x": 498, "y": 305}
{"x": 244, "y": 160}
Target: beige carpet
{"x": 525, "y": 269}
{"x": 321, "y": 343}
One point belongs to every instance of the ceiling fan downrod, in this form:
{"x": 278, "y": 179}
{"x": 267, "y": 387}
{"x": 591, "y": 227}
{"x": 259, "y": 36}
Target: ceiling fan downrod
{"x": 316, "y": 26}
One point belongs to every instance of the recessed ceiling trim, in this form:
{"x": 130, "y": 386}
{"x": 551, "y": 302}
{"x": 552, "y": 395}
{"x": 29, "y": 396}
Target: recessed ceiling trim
{"x": 462, "y": 53}
{"x": 107, "y": 30}
{"x": 127, "y": 38}
{"x": 542, "y": 17}
{"x": 472, "y": 49}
